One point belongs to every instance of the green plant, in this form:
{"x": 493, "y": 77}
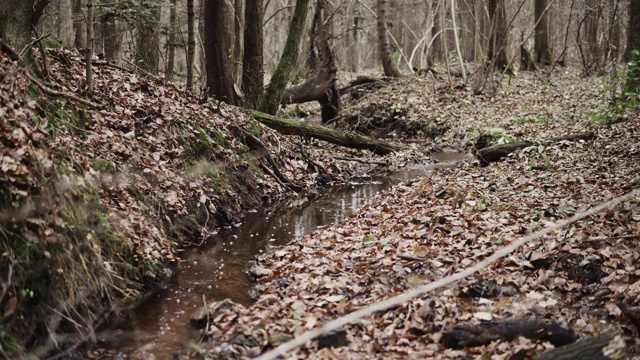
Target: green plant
{"x": 629, "y": 96}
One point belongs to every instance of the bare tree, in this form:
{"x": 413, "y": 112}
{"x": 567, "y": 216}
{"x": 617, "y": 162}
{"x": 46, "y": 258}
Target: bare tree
{"x": 498, "y": 40}
{"x": 89, "y": 55}
{"x": 384, "y": 48}
{"x": 147, "y": 36}
{"x": 218, "y": 67}
{"x": 78, "y": 24}
{"x": 270, "y": 100}
{"x": 171, "y": 42}
{"x": 191, "y": 43}
{"x": 542, "y": 47}
{"x": 238, "y": 37}
{"x": 252, "y": 65}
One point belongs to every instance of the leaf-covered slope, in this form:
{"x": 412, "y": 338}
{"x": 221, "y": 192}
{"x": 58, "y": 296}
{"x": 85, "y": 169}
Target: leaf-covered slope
{"x": 94, "y": 200}
{"x": 427, "y": 229}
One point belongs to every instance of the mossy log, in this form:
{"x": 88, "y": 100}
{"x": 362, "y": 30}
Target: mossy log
{"x": 497, "y": 152}
{"x": 350, "y": 140}
{"x": 603, "y": 347}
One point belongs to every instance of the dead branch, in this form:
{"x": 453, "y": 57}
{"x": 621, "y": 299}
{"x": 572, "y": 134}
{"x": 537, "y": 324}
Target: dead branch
{"x": 423, "y": 289}
{"x": 497, "y": 152}
{"x": 70, "y": 96}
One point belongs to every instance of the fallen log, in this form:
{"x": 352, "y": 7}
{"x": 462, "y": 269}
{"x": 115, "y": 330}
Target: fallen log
{"x": 603, "y": 347}
{"x": 350, "y": 140}
{"x": 462, "y": 336}
{"x": 497, "y": 152}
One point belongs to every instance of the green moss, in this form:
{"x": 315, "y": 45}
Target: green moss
{"x": 102, "y": 165}
{"x": 51, "y": 43}
{"x": 254, "y": 130}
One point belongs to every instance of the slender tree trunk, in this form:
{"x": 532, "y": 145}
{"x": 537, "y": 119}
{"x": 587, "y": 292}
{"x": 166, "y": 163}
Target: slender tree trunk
{"x": 147, "y": 39}
{"x": 498, "y": 40}
{"x": 89, "y": 55}
{"x": 633, "y": 35}
{"x": 614, "y": 30}
{"x": 436, "y": 44}
{"x": 253, "y": 60}
{"x": 110, "y": 32}
{"x": 270, "y": 100}
{"x": 457, "y": 40}
{"x": 594, "y": 55}
{"x": 78, "y": 24}
{"x": 218, "y": 67}
{"x": 354, "y": 53}
{"x": 384, "y": 48}
{"x": 542, "y": 48}
{"x": 171, "y": 46}
{"x": 191, "y": 43}
{"x": 238, "y": 40}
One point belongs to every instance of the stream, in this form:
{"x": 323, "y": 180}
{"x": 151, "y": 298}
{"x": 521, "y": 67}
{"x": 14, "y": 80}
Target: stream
{"x": 216, "y": 270}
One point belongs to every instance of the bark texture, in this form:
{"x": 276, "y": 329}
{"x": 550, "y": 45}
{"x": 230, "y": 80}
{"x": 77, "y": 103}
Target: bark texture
{"x": 252, "y": 63}
{"x": 270, "y": 100}
{"x": 350, "y": 140}
{"x": 384, "y": 48}
{"x": 171, "y": 45}
{"x": 216, "y": 48}
{"x": 542, "y": 48}
{"x": 498, "y": 39}
{"x": 322, "y": 86}
{"x": 191, "y": 43}
{"x": 16, "y": 19}
{"x": 148, "y": 37}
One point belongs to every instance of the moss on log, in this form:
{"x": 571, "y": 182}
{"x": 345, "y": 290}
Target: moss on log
{"x": 350, "y": 140}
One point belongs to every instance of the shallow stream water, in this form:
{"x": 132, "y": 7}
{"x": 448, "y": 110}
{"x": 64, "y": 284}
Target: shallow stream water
{"x": 217, "y": 270}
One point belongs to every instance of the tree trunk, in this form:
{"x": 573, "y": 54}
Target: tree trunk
{"x": 147, "y": 38}
{"x": 16, "y": 20}
{"x": 322, "y": 87}
{"x": 270, "y": 100}
{"x": 633, "y": 34}
{"x": 218, "y": 66}
{"x": 78, "y": 24}
{"x": 89, "y": 55}
{"x": 253, "y": 60}
{"x": 238, "y": 37}
{"x": 384, "y": 48}
{"x": 614, "y": 30}
{"x": 191, "y": 43}
{"x": 436, "y": 45}
{"x": 171, "y": 46}
{"x": 593, "y": 56}
{"x": 110, "y": 32}
{"x": 499, "y": 39}
{"x": 542, "y": 49}
{"x": 350, "y": 140}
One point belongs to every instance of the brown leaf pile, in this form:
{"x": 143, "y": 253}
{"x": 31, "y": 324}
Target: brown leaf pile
{"x": 426, "y": 229}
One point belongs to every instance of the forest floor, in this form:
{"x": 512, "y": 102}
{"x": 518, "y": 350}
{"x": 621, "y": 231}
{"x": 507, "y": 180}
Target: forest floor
{"x": 581, "y": 281}
{"x": 96, "y": 199}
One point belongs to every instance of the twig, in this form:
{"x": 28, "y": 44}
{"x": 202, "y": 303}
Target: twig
{"x": 607, "y": 238}
{"x": 43, "y": 52}
{"x": 29, "y": 45}
{"x": 73, "y": 97}
{"x": 423, "y": 289}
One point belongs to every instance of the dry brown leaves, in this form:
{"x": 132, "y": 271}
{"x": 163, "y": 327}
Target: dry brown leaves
{"x": 451, "y": 219}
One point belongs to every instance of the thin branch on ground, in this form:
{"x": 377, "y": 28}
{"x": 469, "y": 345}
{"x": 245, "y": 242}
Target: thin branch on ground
{"x": 423, "y": 289}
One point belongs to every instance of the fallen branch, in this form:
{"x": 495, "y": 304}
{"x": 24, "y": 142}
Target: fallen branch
{"x": 411, "y": 258}
{"x": 497, "y": 152}
{"x": 468, "y": 335}
{"x": 423, "y": 289}
{"x": 52, "y": 92}
{"x": 608, "y": 346}
{"x": 607, "y": 238}
{"x": 350, "y": 140}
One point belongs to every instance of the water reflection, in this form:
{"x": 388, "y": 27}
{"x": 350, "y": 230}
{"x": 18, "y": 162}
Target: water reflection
{"x": 217, "y": 270}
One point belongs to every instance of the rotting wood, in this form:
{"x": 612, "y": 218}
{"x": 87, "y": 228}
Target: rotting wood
{"x": 461, "y": 336}
{"x": 497, "y": 152}
{"x": 350, "y": 140}
{"x": 603, "y": 347}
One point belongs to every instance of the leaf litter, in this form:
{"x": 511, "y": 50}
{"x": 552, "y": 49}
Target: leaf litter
{"x": 429, "y": 228}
